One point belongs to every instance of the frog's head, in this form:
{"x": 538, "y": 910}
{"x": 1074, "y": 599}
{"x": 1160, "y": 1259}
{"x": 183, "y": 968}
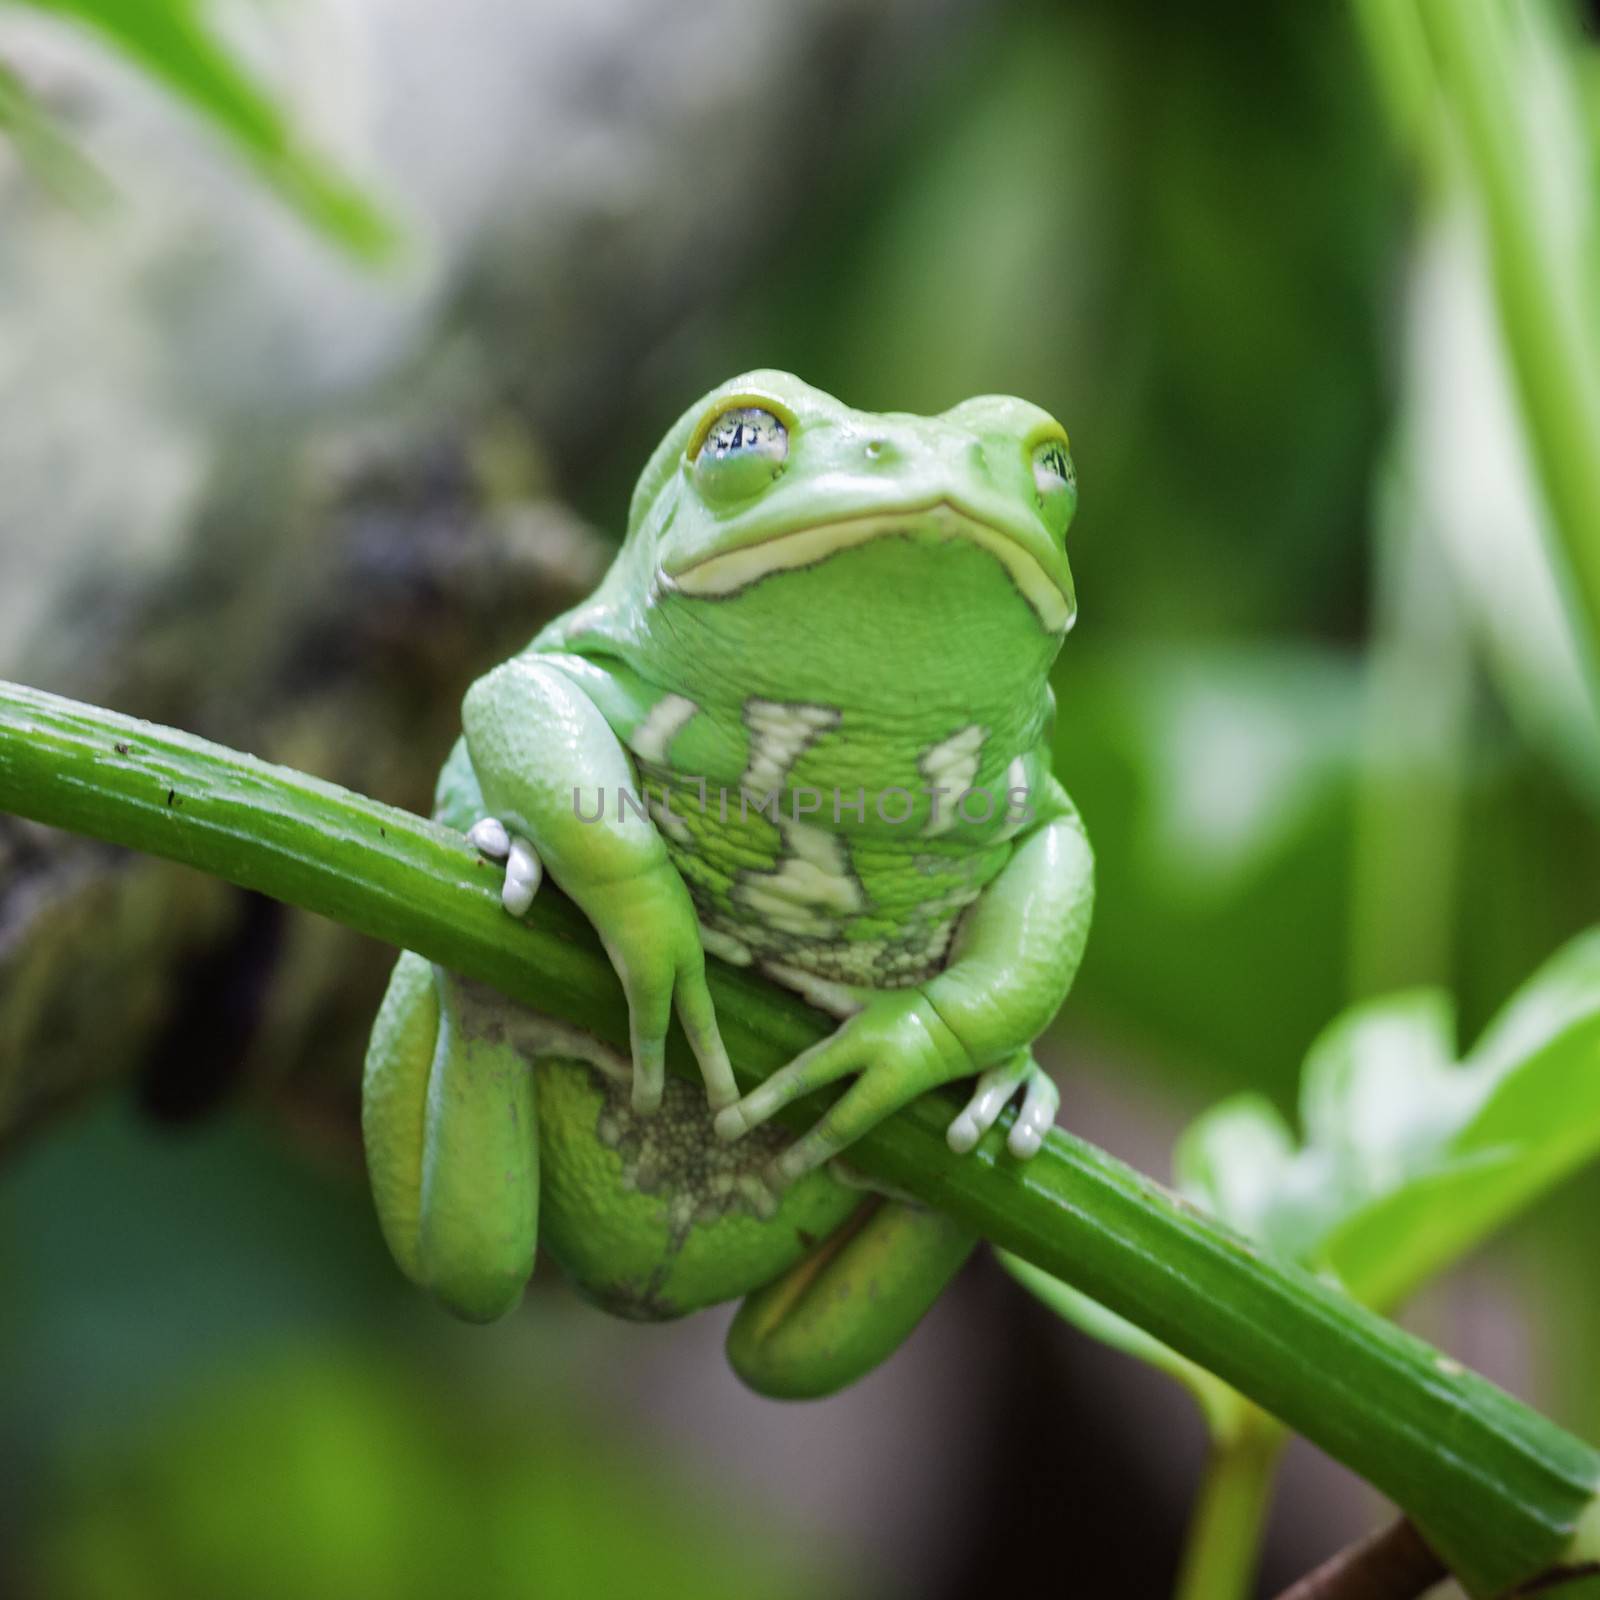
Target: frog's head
{"x": 767, "y": 475}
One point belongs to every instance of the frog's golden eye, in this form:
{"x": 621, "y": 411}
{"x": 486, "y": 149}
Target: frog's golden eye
{"x": 741, "y": 453}
{"x": 1055, "y": 483}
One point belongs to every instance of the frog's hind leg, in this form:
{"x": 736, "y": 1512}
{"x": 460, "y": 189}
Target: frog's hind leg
{"x": 452, "y": 1144}
{"x": 394, "y": 1099}
{"x": 832, "y": 1317}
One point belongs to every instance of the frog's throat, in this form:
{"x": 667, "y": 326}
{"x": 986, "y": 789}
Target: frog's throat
{"x": 726, "y": 572}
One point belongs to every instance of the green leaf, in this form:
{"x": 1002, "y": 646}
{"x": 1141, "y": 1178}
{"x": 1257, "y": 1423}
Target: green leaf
{"x": 1523, "y": 1113}
{"x": 169, "y": 41}
{"x": 1230, "y": 1160}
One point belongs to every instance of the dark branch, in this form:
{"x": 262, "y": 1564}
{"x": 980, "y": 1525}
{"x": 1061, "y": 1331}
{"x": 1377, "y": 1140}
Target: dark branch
{"x": 1394, "y": 1563}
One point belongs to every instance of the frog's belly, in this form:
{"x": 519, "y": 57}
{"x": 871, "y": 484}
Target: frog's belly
{"x": 848, "y": 909}
{"x": 655, "y": 1216}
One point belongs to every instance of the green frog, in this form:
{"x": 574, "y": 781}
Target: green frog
{"x": 803, "y": 726}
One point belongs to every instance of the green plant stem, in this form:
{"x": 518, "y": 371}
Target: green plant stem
{"x": 1497, "y": 1488}
{"x": 1223, "y": 1545}
{"x": 1544, "y": 292}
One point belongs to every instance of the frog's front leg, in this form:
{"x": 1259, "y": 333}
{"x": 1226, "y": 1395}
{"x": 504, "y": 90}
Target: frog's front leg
{"x": 543, "y": 754}
{"x": 448, "y": 1119}
{"x": 838, "y": 1312}
{"x": 1012, "y": 963}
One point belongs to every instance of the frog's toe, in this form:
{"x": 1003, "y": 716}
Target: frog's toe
{"x": 1036, "y": 1118}
{"x": 523, "y": 872}
{"x": 965, "y": 1131}
{"x": 489, "y": 838}
{"x": 812, "y": 1069}
{"x": 730, "y": 1124}
{"x": 995, "y": 1089}
{"x": 873, "y": 1096}
{"x": 649, "y": 1073}
{"x": 698, "y": 1014}
{"x": 760, "y": 1194}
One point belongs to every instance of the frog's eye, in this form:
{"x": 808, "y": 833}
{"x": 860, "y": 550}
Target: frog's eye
{"x": 742, "y": 452}
{"x": 1055, "y": 483}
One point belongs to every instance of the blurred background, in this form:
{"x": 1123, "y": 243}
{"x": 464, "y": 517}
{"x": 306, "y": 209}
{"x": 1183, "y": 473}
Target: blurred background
{"x": 1327, "y": 714}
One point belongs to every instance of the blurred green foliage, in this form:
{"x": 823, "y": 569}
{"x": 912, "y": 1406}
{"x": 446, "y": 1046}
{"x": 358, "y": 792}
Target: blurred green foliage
{"x": 1193, "y": 234}
{"x": 241, "y": 1400}
{"x": 328, "y": 1474}
{"x": 171, "y": 41}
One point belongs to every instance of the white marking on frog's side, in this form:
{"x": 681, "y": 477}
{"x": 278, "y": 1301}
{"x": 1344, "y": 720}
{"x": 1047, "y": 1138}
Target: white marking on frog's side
{"x": 816, "y": 868}
{"x": 943, "y": 907}
{"x": 1015, "y": 812}
{"x": 951, "y": 765}
{"x": 668, "y": 717}
{"x": 780, "y": 733}
{"x": 810, "y": 888}
{"x": 724, "y": 946}
{"x": 668, "y": 820}
{"x": 837, "y": 999}
{"x": 782, "y": 914}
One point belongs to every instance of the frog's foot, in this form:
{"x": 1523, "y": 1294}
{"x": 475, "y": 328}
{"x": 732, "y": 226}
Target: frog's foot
{"x": 646, "y": 921}
{"x": 995, "y": 1089}
{"x": 490, "y": 837}
{"x": 897, "y": 1048}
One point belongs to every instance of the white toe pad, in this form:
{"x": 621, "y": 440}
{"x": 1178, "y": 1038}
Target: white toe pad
{"x": 488, "y": 837}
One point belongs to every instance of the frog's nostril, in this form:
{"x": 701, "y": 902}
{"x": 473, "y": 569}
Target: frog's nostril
{"x": 876, "y": 450}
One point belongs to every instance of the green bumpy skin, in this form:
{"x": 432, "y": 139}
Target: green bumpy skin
{"x": 803, "y": 725}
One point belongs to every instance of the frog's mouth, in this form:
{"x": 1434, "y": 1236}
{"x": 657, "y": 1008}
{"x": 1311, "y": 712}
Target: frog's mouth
{"x": 725, "y": 572}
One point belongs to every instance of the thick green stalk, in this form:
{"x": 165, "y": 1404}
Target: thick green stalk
{"x": 1498, "y": 1489}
